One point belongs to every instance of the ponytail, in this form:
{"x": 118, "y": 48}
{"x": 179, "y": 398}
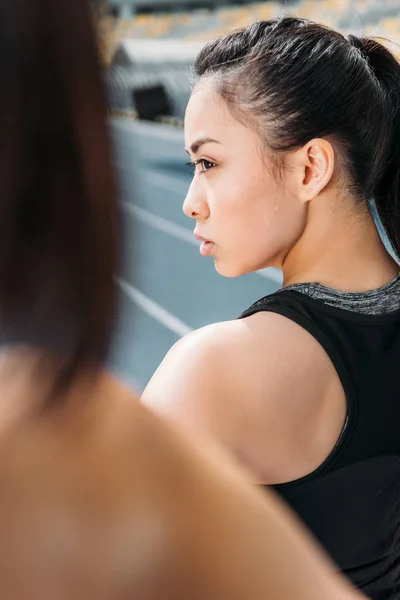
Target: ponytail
{"x": 386, "y": 69}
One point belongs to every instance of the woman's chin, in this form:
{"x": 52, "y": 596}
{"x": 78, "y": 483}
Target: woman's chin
{"x": 228, "y": 270}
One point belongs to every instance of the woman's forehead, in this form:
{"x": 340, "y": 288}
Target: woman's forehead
{"x": 205, "y": 104}
{"x": 208, "y": 115}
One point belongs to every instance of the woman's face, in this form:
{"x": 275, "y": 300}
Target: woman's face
{"x": 249, "y": 218}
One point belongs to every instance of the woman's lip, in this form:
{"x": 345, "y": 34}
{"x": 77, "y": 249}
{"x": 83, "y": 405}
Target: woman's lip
{"x": 201, "y": 239}
{"x": 206, "y": 248}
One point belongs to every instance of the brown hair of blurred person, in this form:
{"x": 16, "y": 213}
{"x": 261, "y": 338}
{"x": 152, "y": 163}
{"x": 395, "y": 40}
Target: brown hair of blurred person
{"x": 99, "y": 499}
{"x": 58, "y": 226}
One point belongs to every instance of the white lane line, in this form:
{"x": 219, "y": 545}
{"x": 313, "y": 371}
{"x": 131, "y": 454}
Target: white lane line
{"x": 153, "y": 309}
{"x": 166, "y": 182}
{"x": 158, "y": 180}
{"x": 177, "y": 231}
{"x": 185, "y": 235}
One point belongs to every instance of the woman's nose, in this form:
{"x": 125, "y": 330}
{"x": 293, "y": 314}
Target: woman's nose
{"x": 195, "y": 206}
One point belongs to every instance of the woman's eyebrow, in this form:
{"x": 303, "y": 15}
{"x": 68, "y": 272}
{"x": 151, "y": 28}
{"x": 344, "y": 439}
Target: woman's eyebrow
{"x": 195, "y": 147}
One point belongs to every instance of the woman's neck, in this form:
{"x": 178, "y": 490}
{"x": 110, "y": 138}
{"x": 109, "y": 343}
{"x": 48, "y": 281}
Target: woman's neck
{"x": 341, "y": 249}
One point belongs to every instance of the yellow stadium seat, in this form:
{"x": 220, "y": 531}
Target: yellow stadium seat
{"x": 189, "y": 25}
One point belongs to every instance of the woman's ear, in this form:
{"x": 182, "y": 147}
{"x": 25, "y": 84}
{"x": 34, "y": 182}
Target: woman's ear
{"x": 314, "y": 164}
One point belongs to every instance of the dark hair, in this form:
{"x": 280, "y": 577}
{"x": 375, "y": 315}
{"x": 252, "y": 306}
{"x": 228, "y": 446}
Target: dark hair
{"x": 299, "y": 80}
{"x": 58, "y": 207}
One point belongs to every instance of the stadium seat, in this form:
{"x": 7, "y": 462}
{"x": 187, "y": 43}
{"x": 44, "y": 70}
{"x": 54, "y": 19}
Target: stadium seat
{"x": 369, "y": 17}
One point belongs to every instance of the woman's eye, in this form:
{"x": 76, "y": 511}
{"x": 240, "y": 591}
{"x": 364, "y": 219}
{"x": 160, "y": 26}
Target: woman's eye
{"x": 206, "y": 165}
{"x": 201, "y": 166}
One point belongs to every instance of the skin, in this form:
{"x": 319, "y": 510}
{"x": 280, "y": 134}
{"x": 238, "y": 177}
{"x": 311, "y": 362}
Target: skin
{"x": 101, "y": 499}
{"x": 263, "y": 386}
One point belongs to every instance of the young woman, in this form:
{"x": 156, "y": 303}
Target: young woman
{"x": 293, "y": 130}
{"x": 99, "y": 498}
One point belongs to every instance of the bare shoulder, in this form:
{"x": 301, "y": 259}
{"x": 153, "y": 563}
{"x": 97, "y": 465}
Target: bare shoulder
{"x": 235, "y": 358}
{"x": 262, "y": 386}
{"x": 195, "y": 376}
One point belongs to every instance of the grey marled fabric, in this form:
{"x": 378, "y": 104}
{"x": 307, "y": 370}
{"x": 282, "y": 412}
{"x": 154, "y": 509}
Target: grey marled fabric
{"x": 375, "y": 302}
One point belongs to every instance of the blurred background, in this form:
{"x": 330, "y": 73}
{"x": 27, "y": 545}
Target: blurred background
{"x": 166, "y": 287}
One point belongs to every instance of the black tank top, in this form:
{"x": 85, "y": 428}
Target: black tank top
{"x": 352, "y": 501}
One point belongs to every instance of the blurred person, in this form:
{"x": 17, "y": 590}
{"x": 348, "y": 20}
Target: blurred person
{"x": 99, "y": 498}
{"x": 294, "y": 130}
